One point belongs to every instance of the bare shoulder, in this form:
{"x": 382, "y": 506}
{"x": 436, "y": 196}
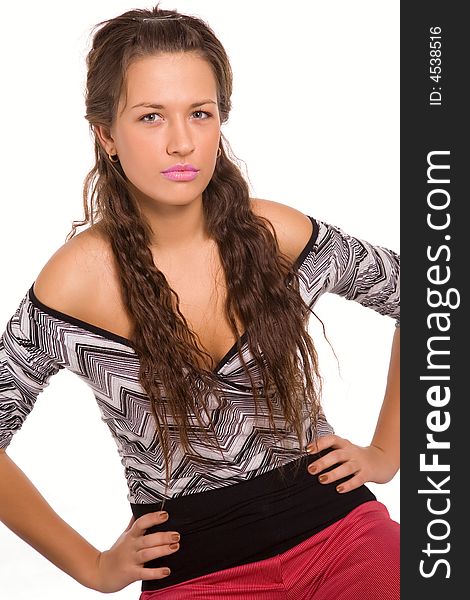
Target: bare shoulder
{"x": 76, "y": 274}
{"x": 293, "y": 228}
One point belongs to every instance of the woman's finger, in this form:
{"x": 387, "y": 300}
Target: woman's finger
{"x": 339, "y": 472}
{"x": 146, "y": 521}
{"x": 350, "y": 484}
{"x": 327, "y": 461}
{"x": 148, "y": 554}
{"x": 324, "y": 442}
{"x": 158, "y": 539}
{"x": 145, "y": 574}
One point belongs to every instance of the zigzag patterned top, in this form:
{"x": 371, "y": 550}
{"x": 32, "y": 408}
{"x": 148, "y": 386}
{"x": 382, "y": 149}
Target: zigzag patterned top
{"x": 38, "y": 341}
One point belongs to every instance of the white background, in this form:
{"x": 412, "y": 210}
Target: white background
{"x": 315, "y": 119}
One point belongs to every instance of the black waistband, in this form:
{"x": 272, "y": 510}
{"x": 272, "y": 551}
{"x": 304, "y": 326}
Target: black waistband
{"x": 274, "y": 511}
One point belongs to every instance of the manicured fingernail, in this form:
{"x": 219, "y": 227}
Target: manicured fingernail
{"x": 174, "y": 546}
{"x": 322, "y": 478}
{"x": 312, "y": 470}
{"x": 175, "y": 537}
{"x": 340, "y": 489}
{"x": 166, "y": 571}
{"x": 164, "y": 515}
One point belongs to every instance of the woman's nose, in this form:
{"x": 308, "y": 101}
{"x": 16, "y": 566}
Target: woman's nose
{"x": 180, "y": 140}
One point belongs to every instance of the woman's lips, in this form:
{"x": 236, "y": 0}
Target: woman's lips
{"x": 180, "y": 175}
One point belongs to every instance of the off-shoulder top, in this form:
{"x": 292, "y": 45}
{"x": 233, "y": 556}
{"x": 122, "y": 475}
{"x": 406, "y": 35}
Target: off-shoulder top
{"x": 38, "y": 341}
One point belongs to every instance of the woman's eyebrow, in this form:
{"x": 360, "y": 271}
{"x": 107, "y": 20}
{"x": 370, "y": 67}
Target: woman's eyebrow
{"x": 160, "y": 106}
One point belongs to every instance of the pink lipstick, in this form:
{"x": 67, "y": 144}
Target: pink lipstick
{"x": 180, "y": 172}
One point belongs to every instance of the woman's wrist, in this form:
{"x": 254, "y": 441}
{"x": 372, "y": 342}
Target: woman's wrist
{"x": 387, "y": 463}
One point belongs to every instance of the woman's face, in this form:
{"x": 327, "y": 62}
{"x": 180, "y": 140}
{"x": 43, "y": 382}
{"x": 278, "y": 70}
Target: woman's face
{"x": 182, "y": 127}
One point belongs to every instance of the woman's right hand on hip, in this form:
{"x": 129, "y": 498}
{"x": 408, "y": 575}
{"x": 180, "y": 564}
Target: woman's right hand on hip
{"x": 123, "y": 563}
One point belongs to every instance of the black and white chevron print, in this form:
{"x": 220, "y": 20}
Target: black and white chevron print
{"x": 38, "y": 341}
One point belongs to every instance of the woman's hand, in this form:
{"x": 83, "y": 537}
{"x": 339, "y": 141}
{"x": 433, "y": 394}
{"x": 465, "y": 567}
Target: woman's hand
{"x": 123, "y": 563}
{"x": 368, "y": 463}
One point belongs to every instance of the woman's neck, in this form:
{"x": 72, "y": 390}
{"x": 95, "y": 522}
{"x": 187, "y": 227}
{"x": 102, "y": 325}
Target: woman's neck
{"x": 175, "y": 227}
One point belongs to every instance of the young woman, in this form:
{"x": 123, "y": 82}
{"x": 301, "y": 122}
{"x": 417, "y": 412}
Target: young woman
{"x": 184, "y": 305}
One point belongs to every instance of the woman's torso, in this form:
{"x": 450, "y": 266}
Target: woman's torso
{"x": 89, "y": 338}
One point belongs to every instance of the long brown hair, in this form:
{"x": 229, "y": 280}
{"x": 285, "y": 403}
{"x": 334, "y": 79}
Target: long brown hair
{"x": 262, "y": 284}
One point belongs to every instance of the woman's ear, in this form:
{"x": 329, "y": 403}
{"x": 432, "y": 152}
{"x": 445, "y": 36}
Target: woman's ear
{"x": 105, "y": 139}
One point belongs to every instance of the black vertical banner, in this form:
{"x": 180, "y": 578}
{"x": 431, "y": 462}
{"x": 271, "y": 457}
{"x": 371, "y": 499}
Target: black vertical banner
{"x": 435, "y": 236}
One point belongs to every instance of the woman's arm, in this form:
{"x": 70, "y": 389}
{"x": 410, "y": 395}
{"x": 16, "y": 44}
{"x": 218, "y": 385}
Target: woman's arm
{"x": 378, "y": 462}
{"x": 26, "y": 366}
{"x": 24, "y": 510}
{"x": 26, "y": 513}
{"x": 387, "y": 432}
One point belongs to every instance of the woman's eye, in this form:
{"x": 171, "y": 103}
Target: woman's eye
{"x": 202, "y": 112}
{"x": 149, "y": 115}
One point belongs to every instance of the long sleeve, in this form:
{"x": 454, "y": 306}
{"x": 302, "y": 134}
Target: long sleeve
{"x": 357, "y": 270}
{"x": 25, "y": 370}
